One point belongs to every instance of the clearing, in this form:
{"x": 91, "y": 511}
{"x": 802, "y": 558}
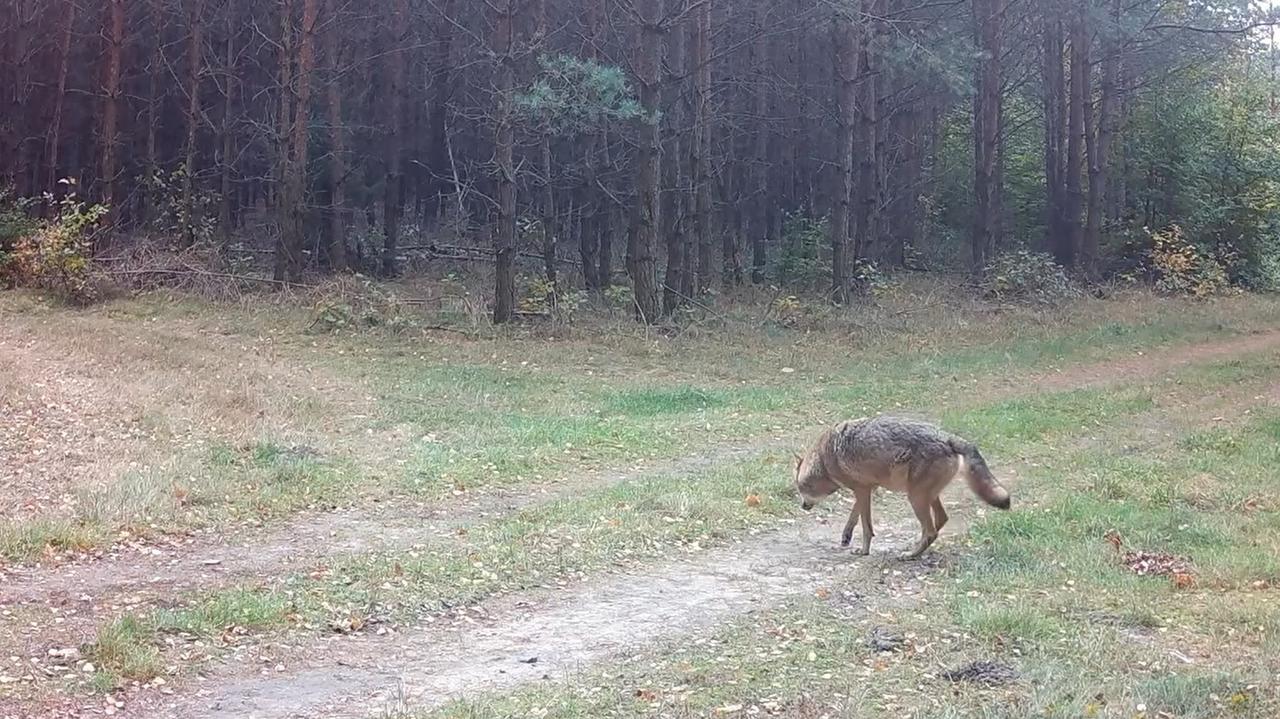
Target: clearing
{"x": 209, "y": 511}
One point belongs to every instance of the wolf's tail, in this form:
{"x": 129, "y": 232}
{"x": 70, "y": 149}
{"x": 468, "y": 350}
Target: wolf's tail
{"x": 978, "y": 475}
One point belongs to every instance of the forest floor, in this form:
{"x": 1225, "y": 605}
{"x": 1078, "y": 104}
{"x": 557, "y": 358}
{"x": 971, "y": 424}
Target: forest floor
{"x": 208, "y": 511}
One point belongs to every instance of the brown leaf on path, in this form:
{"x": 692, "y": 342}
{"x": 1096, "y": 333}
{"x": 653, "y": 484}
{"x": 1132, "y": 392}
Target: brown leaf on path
{"x": 753, "y": 500}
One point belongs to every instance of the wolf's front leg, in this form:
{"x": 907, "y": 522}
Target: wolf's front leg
{"x": 863, "y": 505}
{"x": 850, "y": 525}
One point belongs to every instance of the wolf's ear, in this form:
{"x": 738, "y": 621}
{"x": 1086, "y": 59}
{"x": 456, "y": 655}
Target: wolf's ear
{"x": 798, "y": 459}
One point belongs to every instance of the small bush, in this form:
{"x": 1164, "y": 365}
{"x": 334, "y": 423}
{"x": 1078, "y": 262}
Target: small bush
{"x": 364, "y": 306}
{"x": 1024, "y": 276}
{"x": 1183, "y": 269}
{"x": 543, "y": 297}
{"x": 15, "y": 224}
{"x": 57, "y": 254}
{"x": 801, "y": 262}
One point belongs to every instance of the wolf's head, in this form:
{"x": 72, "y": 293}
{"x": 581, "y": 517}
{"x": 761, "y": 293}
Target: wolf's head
{"x": 811, "y": 481}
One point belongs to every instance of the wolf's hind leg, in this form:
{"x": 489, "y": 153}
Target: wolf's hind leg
{"x": 939, "y": 515}
{"x": 922, "y": 505}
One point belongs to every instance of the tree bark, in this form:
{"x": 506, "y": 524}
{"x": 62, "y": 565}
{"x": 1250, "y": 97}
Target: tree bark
{"x": 846, "y": 72}
{"x": 1054, "y": 90}
{"x": 441, "y": 70}
{"x": 294, "y": 184}
{"x": 1100, "y": 146}
{"x": 673, "y": 158}
{"x": 225, "y": 217}
{"x": 1079, "y": 98}
{"x": 337, "y": 253}
{"x": 867, "y": 188}
{"x": 700, "y": 143}
{"x": 645, "y": 218}
{"x": 54, "y": 142}
{"x": 393, "y": 186}
{"x": 763, "y": 202}
{"x": 547, "y": 201}
{"x": 195, "y": 21}
{"x": 156, "y": 63}
{"x": 502, "y": 44}
{"x": 987, "y": 132}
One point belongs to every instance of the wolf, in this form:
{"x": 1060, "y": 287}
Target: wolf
{"x": 901, "y": 455}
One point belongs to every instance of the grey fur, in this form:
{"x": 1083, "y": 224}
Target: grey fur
{"x": 902, "y": 455}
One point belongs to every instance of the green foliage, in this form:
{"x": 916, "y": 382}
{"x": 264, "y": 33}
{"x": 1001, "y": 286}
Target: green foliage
{"x": 543, "y": 297}
{"x": 620, "y": 296}
{"x": 572, "y": 95}
{"x": 15, "y": 223}
{"x": 1024, "y": 276}
{"x": 173, "y": 217}
{"x": 801, "y": 262}
{"x": 1183, "y": 269}
{"x": 56, "y": 255}
{"x": 366, "y": 306}
{"x": 1208, "y": 150}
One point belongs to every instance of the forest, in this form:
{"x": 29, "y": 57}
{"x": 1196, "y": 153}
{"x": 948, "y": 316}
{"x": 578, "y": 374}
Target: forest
{"x": 661, "y": 149}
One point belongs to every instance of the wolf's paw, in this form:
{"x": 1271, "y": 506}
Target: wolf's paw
{"x": 860, "y": 552}
{"x": 846, "y": 540}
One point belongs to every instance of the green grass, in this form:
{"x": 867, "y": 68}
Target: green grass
{"x": 1039, "y": 588}
{"x": 28, "y": 539}
{"x": 632, "y": 523}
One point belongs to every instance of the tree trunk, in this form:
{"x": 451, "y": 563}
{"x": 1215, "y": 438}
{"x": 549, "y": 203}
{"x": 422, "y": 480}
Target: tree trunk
{"x": 986, "y": 130}
{"x": 1100, "y": 146}
{"x": 763, "y": 202}
{"x": 441, "y": 70}
{"x": 867, "y": 218}
{"x": 504, "y": 234}
{"x": 225, "y": 220}
{"x": 195, "y": 20}
{"x": 700, "y": 143}
{"x": 393, "y": 190}
{"x": 547, "y": 203}
{"x": 590, "y": 205}
{"x": 1054, "y": 82}
{"x": 111, "y": 109}
{"x": 157, "y": 63}
{"x": 673, "y": 159}
{"x": 293, "y": 187}
{"x": 645, "y": 217}
{"x": 1079, "y": 98}
{"x": 846, "y": 71}
{"x": 284, "y": 247}
{"x": 54, "y": 142}
{"x": 337, "y": 253}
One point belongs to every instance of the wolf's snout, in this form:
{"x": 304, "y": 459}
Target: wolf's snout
{"x": 806, "y": 505}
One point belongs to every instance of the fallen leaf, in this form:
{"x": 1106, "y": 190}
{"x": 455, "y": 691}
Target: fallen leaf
{"x": 753, "y": 500}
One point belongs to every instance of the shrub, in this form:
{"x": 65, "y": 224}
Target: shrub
{"x": 1024, "y": 276}
{"x": 15, "y": 224}
{"x": 801, "y": 262}
{"x": 56, "y": 255}
{"x": 352, "y": 306}
{"x": 1183, "y": 269}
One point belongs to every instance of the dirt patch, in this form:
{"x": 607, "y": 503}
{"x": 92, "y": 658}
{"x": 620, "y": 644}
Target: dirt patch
{"x": 1144, "y": 364}
{"x": 540, "y": 635}
{"x": 87, "y": 403}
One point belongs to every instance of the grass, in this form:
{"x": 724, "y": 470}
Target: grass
{"x": 632, "y": 523}
{"x": 1038, "y": 588}
{"x": 399, "y": 416}
{"x": 405, "y": 416}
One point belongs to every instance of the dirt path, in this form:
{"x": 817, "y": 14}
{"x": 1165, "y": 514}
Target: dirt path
{"x": 1146, "y": 364}
{"x": 549, "y": 634}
